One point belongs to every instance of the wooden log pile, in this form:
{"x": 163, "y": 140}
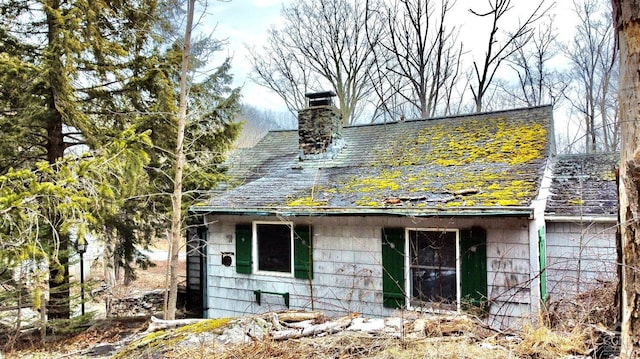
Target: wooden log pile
{"x": 298, "y": 324}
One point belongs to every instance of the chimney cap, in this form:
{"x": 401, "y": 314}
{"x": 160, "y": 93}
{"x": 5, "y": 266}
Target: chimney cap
{"x": 323, "y": 94}
{"x": 324, "y": 98}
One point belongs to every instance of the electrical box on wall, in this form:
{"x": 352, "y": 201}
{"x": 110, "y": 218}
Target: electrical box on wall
{"x": 226, "y": 258}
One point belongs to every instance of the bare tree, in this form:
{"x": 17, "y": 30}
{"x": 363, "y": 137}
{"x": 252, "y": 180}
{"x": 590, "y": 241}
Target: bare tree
{"x": 498, "y": 50}
{"x": 418, "y": 56}
{"x": 537, "y": 82}
{"x": 626, "y": 18}
{"x": 176, "y": 197}
{"x": 322, "y": 44}
{"x": 284, "y": 71}
{"x": 592, "y": 94}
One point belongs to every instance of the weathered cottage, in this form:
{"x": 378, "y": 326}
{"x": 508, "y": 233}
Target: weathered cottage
{"x": 581, "y": 222}
{"x": 440, "y": 214}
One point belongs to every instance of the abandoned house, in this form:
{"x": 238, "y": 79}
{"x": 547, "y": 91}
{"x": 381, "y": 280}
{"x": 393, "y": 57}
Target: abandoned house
{"x": 434, "y": 215}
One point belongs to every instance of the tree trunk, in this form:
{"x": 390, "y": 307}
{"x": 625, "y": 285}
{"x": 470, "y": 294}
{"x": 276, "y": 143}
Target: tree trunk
{"x": 626, "y": 16}
{"x": 108, "y": 256}
{"x": 58, "y": 243}
{"x": 176, "y": 217}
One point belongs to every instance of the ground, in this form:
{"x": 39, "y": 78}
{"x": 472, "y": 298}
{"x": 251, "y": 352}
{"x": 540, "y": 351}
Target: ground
{"x": 447, "y": 337}
{"x": 575, "y": 333}
{"x": 95, "y": 329}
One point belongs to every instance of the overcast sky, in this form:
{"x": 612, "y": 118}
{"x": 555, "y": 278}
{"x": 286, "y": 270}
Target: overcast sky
{"x": 245, "y": 23}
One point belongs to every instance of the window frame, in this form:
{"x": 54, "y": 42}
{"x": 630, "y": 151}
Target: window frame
{"x": 408, "y": 268}
{"x": 256, "y": 255}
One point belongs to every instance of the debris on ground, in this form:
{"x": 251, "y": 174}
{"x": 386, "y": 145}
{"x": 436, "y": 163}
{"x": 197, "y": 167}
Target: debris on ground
{"x": 296, "y": 334}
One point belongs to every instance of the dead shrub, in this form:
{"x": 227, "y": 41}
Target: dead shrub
{"x": 595, "y": 307}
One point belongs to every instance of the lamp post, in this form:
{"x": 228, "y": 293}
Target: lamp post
{"x": 81, "y": 247}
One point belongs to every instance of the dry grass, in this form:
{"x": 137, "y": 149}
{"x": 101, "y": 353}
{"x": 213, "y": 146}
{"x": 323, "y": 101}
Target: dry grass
{"x": 451, "y": 338}
{"x": 595, "y": 307}
{"x": 543, "y": 343}
{"x": 349, "y": 345}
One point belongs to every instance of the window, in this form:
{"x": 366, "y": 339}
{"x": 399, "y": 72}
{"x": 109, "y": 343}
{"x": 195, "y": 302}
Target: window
{"x": 433, "y": 268}
{"x": 274, "y": 247}
{"x": 443, "y": 268}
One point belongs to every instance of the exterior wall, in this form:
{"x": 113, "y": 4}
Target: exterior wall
{"x": 347, "y": 268}
{"x": 510, "y": 274}
{"x": 579, "y": 256}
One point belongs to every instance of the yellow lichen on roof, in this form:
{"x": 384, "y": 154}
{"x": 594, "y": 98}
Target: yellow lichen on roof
{"x": 495, "y": 189}
{"x": 465, "y": 163}
{"x": 492, "y": 141}
{"x": 480, "y": 141}
{"x": 387, "y": 180}
{"x": 306, "y": 201}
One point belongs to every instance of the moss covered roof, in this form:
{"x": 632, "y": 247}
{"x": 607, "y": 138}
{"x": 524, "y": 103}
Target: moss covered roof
{"x": 482, "y": 160}
{"x": 584, "y": 185}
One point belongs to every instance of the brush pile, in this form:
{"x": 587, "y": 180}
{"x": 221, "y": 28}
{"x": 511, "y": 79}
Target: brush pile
{"x": 299, "y": 334}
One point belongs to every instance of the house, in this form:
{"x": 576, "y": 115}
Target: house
{"x": 435, "y": 215}
{"x": 581, "y": 223}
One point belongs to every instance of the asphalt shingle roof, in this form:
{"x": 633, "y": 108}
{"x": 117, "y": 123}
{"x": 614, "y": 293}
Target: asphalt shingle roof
{"x": 584, "y": 185}
{"x": 491, "y": 160}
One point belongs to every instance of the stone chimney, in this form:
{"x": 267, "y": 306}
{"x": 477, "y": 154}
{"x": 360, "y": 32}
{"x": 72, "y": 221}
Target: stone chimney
{"x": 320, "y": 127}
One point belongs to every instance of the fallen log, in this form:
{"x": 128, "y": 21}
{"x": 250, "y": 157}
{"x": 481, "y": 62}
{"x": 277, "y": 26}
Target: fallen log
{"x": 367, "y": 325}
{"x": 293, "y": 316}
{"x": 300, "y": 325}
{"x": 324, "y": 328}
{"x": 161, "y": 324}
{"x": 273, "y": 319}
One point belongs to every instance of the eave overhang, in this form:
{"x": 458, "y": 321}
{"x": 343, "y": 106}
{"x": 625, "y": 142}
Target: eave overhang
{"x": 521, "y": 212}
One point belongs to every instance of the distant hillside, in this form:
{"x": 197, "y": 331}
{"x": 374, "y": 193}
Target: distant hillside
{"x": 258, "y": 122}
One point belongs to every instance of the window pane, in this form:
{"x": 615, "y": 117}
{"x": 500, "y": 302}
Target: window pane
{"x": 433, "y": 248}
{"x": 433, "y": 285}
{"x": 433, "y": 267}
{"x": 274, "y": 247}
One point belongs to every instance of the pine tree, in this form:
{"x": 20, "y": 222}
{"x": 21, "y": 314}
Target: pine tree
{"x": 80, "y": 72}
{"x": 65, "y": 55}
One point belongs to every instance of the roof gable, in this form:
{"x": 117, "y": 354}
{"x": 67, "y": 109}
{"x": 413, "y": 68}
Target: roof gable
{"x": 481, "y": 160}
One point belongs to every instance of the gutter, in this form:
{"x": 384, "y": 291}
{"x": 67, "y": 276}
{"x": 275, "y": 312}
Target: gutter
{"x": 581, "y": 219}
{"x": 527, "y": 212}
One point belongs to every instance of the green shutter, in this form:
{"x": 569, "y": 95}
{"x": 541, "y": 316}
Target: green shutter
{"x": 243, "y": 248}
{"x": 302, "y": 252}
{"x": 393, "y": 292}
{"x": 473, "y": 268}
{"x": 542, "y": 247}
